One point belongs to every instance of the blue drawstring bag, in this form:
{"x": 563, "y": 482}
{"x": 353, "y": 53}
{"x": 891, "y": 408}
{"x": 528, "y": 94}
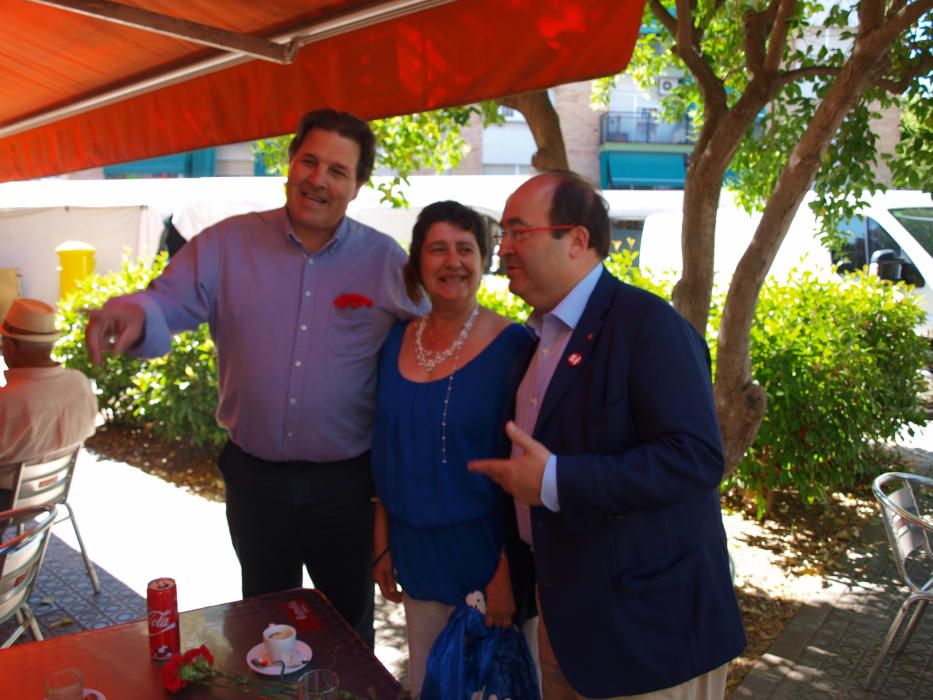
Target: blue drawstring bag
{"x": 470, "y": 661}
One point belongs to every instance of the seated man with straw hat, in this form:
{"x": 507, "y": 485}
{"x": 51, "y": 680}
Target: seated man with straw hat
{"x": 43, "y": 407}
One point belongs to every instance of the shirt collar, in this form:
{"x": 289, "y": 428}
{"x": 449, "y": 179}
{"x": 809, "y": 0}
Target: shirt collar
{"x": 571, "y": 307}
{"x": 20, "y": 374}
{"x": 341, "y": 234}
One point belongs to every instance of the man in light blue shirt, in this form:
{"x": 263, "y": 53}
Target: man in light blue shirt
{"x": 298, "y": 301}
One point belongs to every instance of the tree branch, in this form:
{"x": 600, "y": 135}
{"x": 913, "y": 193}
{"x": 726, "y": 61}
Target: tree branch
{"x": 681, "y": 30}
{"x": 777, "y": 42}
{"x": 870, "y": 14}
{"x": 664, "y": 17}
{"x": 900, "y": 21}
{"x": 544, "y": 123}
{"x": 790, "y": 76}
{"x": 684, "y": 36}
{"x": 756, "y": 36}
{"x": 907, "y": 76}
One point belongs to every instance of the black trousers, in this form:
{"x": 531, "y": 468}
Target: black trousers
{"x": 285, "y": 515}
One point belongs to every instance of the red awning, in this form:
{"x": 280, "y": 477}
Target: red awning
{"x": 77, "y": 91}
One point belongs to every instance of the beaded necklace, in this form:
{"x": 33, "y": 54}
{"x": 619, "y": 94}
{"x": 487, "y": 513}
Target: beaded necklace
{"x": 429, "y": 360}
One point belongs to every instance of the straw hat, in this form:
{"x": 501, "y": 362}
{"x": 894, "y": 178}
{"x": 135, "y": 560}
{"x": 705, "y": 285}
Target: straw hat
{"x": 30, "y": 320}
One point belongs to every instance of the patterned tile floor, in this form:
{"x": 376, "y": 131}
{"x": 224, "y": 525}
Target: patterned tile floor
{"x": 64, "y": 601}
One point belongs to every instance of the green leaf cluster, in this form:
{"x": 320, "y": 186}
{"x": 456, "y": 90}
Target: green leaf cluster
{"x": 820, "y": 38}
{"x": 841, "y": 363}
{"x": 912, "y": 169}
{"x": 176, "y": 395}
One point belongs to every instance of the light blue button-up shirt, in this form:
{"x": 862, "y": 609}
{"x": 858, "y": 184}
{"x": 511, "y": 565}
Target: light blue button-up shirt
{"x": 553, "y": 330}
{"x": 296, "y": 373}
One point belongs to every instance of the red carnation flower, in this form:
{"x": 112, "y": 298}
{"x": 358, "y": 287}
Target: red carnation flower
{"x": 171, "y": 681}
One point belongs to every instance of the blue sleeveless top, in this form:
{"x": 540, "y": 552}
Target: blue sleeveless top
{"x": 444, "y": 523}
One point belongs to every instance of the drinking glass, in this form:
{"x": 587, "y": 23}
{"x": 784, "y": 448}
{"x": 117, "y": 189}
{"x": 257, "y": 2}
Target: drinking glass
{"x": 319, "y": 684}
{"x": 67, "y": 684}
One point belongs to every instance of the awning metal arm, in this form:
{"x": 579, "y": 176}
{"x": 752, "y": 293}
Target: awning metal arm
{"x": 177, "y": 27}
{"x": 278, "y": 49}
{"x": 288, "y": 43}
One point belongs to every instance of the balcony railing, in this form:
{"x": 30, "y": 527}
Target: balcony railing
{"x": 643, "y": 126}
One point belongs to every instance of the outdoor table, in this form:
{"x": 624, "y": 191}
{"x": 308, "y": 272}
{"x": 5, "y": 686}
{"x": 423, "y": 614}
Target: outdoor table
{"x": 115, "y": 660}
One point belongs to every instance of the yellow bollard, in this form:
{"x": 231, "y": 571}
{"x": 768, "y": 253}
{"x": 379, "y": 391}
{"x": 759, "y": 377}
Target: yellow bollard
{"x": 75, "y": 262}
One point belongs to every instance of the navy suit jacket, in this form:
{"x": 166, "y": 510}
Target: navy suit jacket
{"x": 633, "y": 572}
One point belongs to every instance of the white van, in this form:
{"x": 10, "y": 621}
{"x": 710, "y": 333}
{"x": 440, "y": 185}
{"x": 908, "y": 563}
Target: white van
{"x": 892, "y": 235}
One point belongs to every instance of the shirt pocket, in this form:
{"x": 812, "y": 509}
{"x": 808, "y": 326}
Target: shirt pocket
{"x": 354, "y": 332}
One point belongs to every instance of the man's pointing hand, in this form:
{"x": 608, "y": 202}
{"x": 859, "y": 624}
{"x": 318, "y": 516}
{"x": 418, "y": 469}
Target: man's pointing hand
{"x": 521, "y": 476}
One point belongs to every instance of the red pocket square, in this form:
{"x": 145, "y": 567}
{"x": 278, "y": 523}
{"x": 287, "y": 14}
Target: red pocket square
{"x": 352, "y": 301}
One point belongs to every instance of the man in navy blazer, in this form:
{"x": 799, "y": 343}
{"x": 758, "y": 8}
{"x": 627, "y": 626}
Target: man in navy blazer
{"x": 615, "y": 466}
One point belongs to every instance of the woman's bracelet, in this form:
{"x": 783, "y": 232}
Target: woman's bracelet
{"x": 380, "y": 557}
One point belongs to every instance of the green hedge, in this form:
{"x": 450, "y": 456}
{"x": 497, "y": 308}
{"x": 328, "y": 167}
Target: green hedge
{"x": 838, "y": 357}
{"x": 175, "y": 396}
{"x": 842, "y": 365}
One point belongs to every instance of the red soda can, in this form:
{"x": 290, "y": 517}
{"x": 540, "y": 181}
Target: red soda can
{"x": 162, "y": 607}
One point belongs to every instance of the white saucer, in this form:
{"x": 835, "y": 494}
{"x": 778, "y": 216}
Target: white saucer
{"x": 91, "y": 694}
{"x": 258, "y": 660}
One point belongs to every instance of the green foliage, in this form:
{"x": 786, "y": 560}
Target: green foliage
{"x": 848, "y": 169}
{"x": 913, "y": 167}
{"x": 494, "y": 294}
{"x": 407, "y": 144}
{"x": 841, "y": 363}
{"x": 176, "y": 395}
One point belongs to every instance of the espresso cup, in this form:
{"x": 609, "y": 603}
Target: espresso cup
{"x": 280, "y": 642}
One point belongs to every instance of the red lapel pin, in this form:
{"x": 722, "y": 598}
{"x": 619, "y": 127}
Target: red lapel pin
{"x": 589, "y": 336}
{"x": 574, "y": 359}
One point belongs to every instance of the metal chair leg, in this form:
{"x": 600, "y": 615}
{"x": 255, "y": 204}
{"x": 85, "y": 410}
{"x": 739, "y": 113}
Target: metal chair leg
{"x": 88, "y": 564}
{"x": 33, "y": 624}
{"x": 892, "y": 633}
{"x": 909, "y": 630}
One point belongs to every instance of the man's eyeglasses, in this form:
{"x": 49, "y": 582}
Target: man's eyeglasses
{"x": 517, "y": 235}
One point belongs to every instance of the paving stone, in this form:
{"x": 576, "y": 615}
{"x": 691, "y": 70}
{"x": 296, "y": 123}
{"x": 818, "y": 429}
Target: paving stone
{"x": 828, "y": 648}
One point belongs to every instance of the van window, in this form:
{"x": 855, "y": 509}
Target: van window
{"x": 919, "y": 222}
{"x": 863, "y": 236}
{"x": 879, "y": 239}
{"x": 853, "y": 254}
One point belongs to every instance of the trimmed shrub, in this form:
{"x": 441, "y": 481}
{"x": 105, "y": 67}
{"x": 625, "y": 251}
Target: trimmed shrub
{"x": 841, "y": 363}
{"x": 176, "y": 395}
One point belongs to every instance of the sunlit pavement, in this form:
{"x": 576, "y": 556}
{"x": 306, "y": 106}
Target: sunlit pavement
{"x": 828, "y": 648}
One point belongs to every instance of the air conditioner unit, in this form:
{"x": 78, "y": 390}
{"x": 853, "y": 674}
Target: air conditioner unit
{"x": 666, "y": 85}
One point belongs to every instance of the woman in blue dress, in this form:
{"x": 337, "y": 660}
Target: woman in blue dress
{"x": 446, "y": 388}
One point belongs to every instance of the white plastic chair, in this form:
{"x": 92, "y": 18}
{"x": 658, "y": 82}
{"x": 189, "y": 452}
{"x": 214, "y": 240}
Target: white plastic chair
{"x": 910, "y": 533}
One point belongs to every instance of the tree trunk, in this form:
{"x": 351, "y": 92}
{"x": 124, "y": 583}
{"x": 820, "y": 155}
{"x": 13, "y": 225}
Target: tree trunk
{"x": 740, "y": 402}
{"x": 544, "y": 123}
